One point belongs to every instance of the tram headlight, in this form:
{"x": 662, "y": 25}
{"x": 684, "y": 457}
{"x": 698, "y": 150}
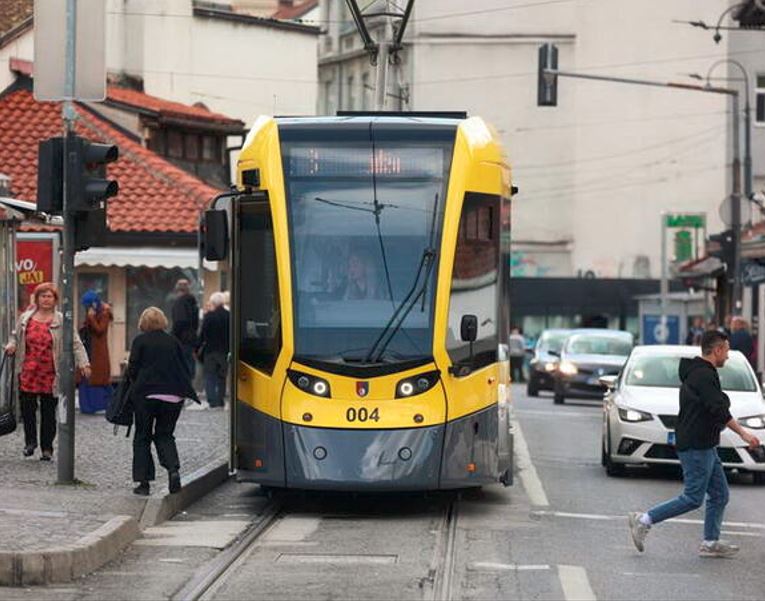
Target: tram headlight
{"x": 417, "y": 384}
{"x": 310, "y": 384}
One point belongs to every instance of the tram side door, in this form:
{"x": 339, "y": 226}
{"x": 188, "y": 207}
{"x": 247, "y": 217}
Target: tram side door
{"x": 257, "y": 341}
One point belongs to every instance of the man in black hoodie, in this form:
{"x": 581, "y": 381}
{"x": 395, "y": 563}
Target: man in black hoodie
{"x": 704, "y": 413}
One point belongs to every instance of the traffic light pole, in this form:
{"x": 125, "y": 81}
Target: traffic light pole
{"x": 66, "y": 415}
{"x": 734, "y": 279}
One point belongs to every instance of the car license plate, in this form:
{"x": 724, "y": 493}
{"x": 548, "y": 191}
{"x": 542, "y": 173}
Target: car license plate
{"x": 671, "y": 439}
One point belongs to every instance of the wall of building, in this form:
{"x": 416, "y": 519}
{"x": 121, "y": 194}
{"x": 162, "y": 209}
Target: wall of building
{"x": 238, "y": 69}
{"x": 22, "y": 47}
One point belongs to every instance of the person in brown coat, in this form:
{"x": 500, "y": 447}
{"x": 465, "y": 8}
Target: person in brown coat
{"x": 94, "y": 333}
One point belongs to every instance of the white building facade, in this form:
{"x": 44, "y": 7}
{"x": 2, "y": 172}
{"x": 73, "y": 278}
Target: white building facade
{"x": 596, "y": 171}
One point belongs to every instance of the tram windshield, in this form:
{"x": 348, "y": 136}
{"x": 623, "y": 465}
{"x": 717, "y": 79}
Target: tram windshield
{"x": 365, "y": 221}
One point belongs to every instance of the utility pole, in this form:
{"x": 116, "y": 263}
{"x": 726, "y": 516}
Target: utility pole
{"x": 385, "y": 51}
{"x": 734, "y": 279}
{"x": 65, "y": 463}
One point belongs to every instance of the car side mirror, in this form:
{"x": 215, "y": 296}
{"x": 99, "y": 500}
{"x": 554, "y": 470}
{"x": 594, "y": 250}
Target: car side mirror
{"x": 469, "y": 328}
{"x": 608, "y": 381}
{"x": 215, "y": 235}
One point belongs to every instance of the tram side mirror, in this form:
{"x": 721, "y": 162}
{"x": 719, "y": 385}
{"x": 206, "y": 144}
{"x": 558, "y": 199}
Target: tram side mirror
{"x": 215, "y": 238}
{"x": 469, "y": 328}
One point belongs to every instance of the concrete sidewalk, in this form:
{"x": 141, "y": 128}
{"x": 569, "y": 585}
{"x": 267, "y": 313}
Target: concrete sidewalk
{"x": 52, "y": 533}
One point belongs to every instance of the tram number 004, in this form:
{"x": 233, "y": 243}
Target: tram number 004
{"x": 362, "y": 414}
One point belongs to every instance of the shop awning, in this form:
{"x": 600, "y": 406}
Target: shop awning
{"x": 146, "y": 256}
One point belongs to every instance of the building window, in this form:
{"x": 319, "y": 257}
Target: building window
{"x": 175, "y": 144}
{"x": 156, "y": 141}
{"x": 328, "y": 108}
{"x": 351, "y": 91}
{"x": 760, "y": 98}
{"x": 191, "y": 147}
{"x": 210, "y": 149}
{"x": 366, "y": 92}
{"x": 151, "y": 287}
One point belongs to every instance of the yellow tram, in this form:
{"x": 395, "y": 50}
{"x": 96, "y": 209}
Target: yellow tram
{"x": 369, "y": 302}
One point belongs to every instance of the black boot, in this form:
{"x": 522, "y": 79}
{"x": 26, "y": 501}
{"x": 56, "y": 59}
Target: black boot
{"x": 142, "y": 489}
{"x": 174, "y": 481}
{"x": 29, "y": 450}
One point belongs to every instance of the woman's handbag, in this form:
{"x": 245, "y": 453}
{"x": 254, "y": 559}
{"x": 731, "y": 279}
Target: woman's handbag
{"x": 7, "y": 404}
{"x": 120, "y": 409}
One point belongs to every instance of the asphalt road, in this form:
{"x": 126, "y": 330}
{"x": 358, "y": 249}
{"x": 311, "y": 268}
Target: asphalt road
{"x": 559, "y": 533}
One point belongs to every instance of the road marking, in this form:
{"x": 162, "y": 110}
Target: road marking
{"x": 611, "y": 518}
{"x": 662, "y": 574}
{"x": 505, "y": 567}
{"x": 558, "y": 414}
{"x": 527, "y": 471}
{"x": 576, "y": 586}
{"x": 734, "y": 533}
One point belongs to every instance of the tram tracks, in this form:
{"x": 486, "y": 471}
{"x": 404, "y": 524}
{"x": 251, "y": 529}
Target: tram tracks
{"x": 213, "y": 574}
{"x": 439, "y": 585}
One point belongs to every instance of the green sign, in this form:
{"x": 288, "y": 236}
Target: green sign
{"x": 680, "y": 220}
{"x": 683, "y": 246}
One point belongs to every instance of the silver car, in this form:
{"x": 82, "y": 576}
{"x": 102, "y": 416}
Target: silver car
{"x": 642, "y": 404}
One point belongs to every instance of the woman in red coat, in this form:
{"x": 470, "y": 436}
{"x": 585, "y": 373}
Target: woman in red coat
{"x": 95, "y": 335}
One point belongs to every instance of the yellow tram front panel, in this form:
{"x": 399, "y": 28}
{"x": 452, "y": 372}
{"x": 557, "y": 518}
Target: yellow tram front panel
{"x": 377, "y": 409}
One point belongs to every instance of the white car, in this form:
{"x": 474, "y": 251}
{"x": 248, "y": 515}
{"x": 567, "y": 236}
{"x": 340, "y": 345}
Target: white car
{"x": 642, "y": 403}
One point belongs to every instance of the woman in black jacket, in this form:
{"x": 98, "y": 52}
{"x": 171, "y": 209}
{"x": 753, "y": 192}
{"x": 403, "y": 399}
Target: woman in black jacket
{"x": 161, "y": 382}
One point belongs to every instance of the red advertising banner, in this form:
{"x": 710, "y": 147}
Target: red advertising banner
{"x": 34, "y": 265}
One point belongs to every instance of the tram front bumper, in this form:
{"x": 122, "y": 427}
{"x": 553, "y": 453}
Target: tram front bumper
{"x": 338, "y": 459}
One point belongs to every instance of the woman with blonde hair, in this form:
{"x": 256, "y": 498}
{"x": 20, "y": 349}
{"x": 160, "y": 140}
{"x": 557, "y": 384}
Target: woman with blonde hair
{"x": 160, "y": 383}
{"x": 39, "y": 348}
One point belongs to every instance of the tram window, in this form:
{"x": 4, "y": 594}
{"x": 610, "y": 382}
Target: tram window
{"x": 475, "y": 274}
{"x": 259, "y": 319}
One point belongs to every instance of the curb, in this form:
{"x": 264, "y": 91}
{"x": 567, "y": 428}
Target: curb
{"x": 196, "y": 485}
{"x": 87, "y": 554}
{"x": 63, "y": 564}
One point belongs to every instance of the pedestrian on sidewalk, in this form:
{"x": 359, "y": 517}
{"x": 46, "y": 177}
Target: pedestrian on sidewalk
{"x": 213, "y": 350}
{"x": 704, "y": 413}
{"x": 161, "y": 382}
{"x": 741, "y": 339}
{"x": 95, "y": 336}
{"x": 37, "y": 344}
{"x": 516, "y": 347}
{"x": 185, "y": 316}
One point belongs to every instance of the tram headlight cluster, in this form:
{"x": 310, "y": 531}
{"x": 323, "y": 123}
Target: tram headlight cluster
{"x": 310, "y": 384}
{"x": 416, "y": 384}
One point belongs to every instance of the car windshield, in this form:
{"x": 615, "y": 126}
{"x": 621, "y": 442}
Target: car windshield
{"x": 661, "y": 371}
{"x": 552, "y": 341}
{"x": 362, "y": 217}
{"x": 587, "y": 344}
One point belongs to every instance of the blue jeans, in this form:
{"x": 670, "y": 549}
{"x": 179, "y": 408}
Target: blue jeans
{"x": 703, "y": 475}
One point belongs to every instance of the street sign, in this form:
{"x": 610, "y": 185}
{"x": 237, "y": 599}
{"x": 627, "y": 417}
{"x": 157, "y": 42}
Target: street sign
{"x": 50, "y": 29}
{"x": 655, "y": 333}
{"x": 694, "y": 220}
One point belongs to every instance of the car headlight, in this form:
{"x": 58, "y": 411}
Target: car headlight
{"x": 633, "y": 415}
{"x": 756, "y": 422}
{"x": 550, "y": 366}
{"x": 567, "y": 368}
{"x": 310, "y": 384}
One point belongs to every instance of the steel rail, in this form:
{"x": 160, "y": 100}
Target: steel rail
{"x": 441, "y": 574}
{"x": 214, "y": 572}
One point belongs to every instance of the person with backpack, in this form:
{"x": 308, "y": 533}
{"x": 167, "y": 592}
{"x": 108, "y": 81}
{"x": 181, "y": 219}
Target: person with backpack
{"x": 38, "y": 346}
{"x": 160, "y": 382}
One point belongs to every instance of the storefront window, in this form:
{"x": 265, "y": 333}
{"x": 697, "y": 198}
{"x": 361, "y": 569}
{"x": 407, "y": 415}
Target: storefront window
{"x": 151, "y": 287}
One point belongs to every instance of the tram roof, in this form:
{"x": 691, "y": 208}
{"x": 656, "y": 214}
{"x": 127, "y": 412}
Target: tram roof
{"x": 410, "y": 119}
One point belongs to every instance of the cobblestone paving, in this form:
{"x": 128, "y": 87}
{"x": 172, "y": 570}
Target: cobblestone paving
{"x": 35, "y": 512}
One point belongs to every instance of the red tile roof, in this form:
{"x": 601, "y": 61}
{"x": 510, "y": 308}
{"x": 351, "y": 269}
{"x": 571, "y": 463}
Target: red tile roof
{"x": 167, "y": 108}
{"x": 296, "y": 10}
{"x": 139, "y": 100}
{"x": 155, "y": 196}
{"x": 14, "y": 13}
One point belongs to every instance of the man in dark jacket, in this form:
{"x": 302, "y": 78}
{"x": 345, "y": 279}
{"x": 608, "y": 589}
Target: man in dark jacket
{"x": 213, "y": 348}
{"x": 185, "y": 316}
{"x": 704, "y": 413}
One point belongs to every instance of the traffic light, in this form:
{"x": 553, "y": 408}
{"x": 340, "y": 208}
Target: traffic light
{"x": 88, "y": 186}
{"x": 722, "y": 247}
{"x": 547, "y": 83}
{"x": 50, "y": 176}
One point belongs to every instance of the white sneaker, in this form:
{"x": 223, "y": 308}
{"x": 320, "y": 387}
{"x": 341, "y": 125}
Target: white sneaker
{"x": 718, "y": 548}
{"x": 198, "y": 406}
{"x": 638, "y": 530}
